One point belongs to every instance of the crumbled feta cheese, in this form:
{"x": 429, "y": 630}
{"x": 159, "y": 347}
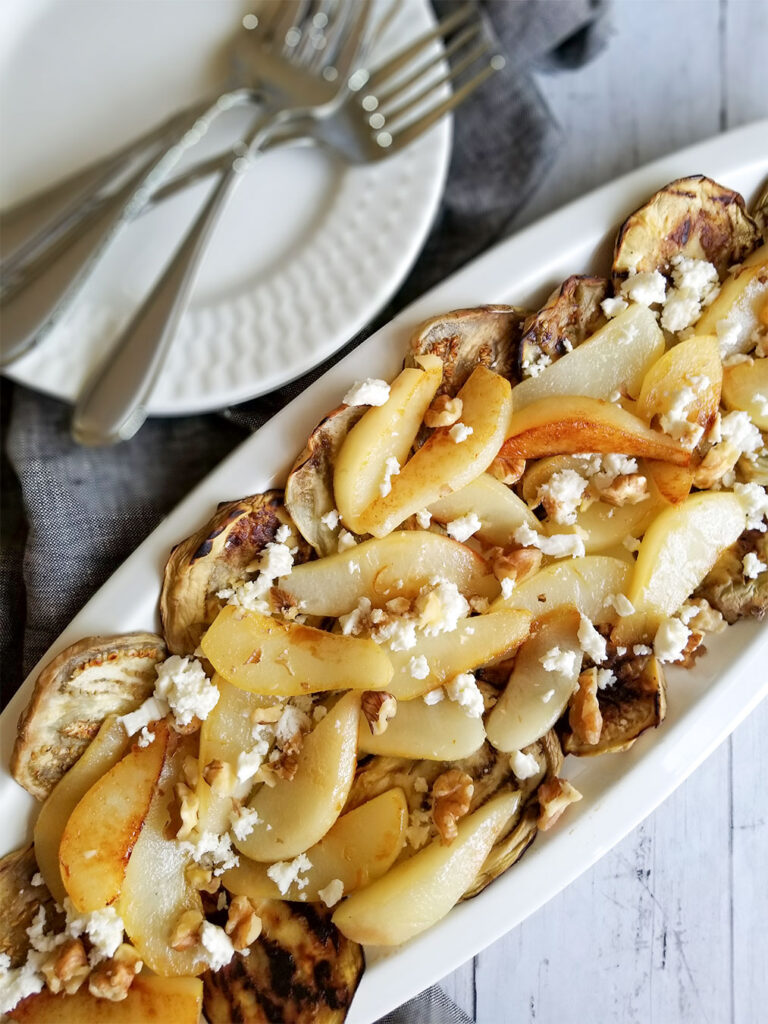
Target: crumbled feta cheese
{"x": 391, "y": 468}
{"x": 562, "y": 495}
{"x": 460, "y": 432}
{"x": 605, "y": 469}
{"x": 622, "y": 605}
{"x": 37, "y": 936}
{"x": 681, "y": 309}
{"x": 152, "y": 710}
{"x": 535, "y": 362}
{"x": 645, "y": 289}
{"x": 330, "y": 519}
{"x": 332, "y": 893}
{"x": 675, "y": 421}
{"x": 611, "y": 307}
{"x": 243, "y": 820}
{"x": 399, "y": 633}
{"x": 752, "y": 565}
{"x": 104, "y": 928}
{"x": 507, "y": 586}
{"x": 251, "y": 596}
{"x": 740, "y": 431}
{"x": 370, "y": 391}
{"x": 36, "y": 879}
{"x": 754, "y": 500}
{"x": 463, "y": 689}
{"x": 418, "y": 667}
{"x": 524, "y": 766}
{"x": 16, "y": 983}
{"x": 290, "y": 722}
{"x": 434, "y": 696}
{"x": 461, "y": 529}
{"x": 699, "y": 276}
{"x": 145, "y": 737}
{"x": 562, "y": 662}
{"x": 424, "y": 518}
{"x": 761, "y": 401}
{"x": 640, "y": 649}
{"x": 592, "y": 642}
{"x": 286, "y": 873}
{"x": 345, "y": 541}
{"x": 417, "y": 831}
{"x": 670, "y": 640}
{"x": 354, "y": 622}
{"x": 558, "y": 545}
{"x": 217, "y": 945}
{"x": 184, "y": 685}
{"x": 439, "y": 609}
{"x": 212, "y": 851}
{"x": 631, "y": 543}
{"x": 249, "y": 761}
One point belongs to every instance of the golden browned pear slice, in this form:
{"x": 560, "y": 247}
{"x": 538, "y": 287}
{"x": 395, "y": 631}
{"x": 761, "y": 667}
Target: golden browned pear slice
{"x": 573, "y": 423}
{"x": 104, "y": 750}
{"x": 745, "y": 386}
{"x": 418, "y": 892}
{"x": 155, "y": 891}
{"x": 498, "y": 508}
{"x": 678, "y": 550}
{"x": 735, "y": 313}
{"x": 450, "y": 458}
{"x": 437, "y": 732}
{"x": 545, "y": 674}
{"x": 672, "y": 482}
{"x": 474, "y": 642}
{"x": 149, "y": 999}
{"x": 582, "y": 582}
{"x": 615, "y": 358}
{"x": 694, "y": 364}
{"x": 358, "y": 849}
{"x": 102, "y": 830}
{"x": 400, "y": 564}
{"x": 296, "y": 813}
{"x": 384, "y": 432}
{"x": 285, "y": 659}
{"x": 225, "y": 733}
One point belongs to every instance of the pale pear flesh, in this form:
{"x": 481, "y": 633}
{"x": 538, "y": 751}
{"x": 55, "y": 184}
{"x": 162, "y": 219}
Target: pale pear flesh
{"x": 433, "y": 732}
{"x": 498, "y": 508}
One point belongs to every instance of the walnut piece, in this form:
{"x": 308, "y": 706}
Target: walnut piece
{"x": 202, "y": 879}
{"x": 112, "y": 978}
{"x": 67, "y": 968}
{"x": 554, "y": 796}
{"x": 243, "y": 923}
{"x": 584, "y": 715}
{"x": 220, "y": 776}
{"x": 378, "y": 706}
{"x": 268, "y": 715}
{"x": 719, "y": 460}
{"x": 507, "y": 470}
{"x": 443, "y": 412}
{"x": 451, "y": 796}
{"x": 191, "y": 770}
{"x": 187, "y": 930}
{"x": 189, "y": 806}
{"x": 516, "y": 565}
{"x": 630, "y": 489}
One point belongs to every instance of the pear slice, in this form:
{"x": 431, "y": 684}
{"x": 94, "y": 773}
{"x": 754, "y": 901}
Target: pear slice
{"x": 437, "y": 732}
{"x": 149, "y": 999}
{"x": 535, "y": 696}
{"x": 573, "y": 423}
{"x": 418, "y": 892}
{"x": 296, "y": 813}
{"x": 358, "y": 849}
{"x": 498, "y": 508}
{"x": 398, "y": 565}
{"x": 583, "y": 582}
{"x": 745, "y": 386}
{"x": 693, "y": 363}
{"x": 445, "y": 462}
{"x": 102, "y": 830}
{"x": 386, "y": 431}
{"x": 283, "y": 659}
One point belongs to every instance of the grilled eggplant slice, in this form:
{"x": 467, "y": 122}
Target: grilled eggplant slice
{"x": 570, "y": 315}
{"x": 309, "y": 488}
{"x": 300, "y": 969}
{"x": 508, "y": 851}
{"x": 93, "y": 678}
{"x": 219, "y": 555}
{"x": 760, "y": 211}
{"x": 726, "y": 588}
{"x": 636, "y": 702}
{"x": 466, "y": 338}
{"x": 693, "y": 217}
{"x": 20, "y": 901}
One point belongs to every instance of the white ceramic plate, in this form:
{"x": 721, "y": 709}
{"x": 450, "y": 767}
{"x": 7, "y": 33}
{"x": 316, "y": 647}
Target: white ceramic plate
{"x": 705, "y": 703}
{"x": 307, "y": 252}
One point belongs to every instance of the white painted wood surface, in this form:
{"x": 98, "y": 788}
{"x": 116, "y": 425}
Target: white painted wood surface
{"x": 670, "y": 926}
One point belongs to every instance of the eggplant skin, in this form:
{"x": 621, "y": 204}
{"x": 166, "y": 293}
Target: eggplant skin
{"x": 694, "y": 217}
{"x": 570, "y": 315}
{"x": 726, "y": 588}
{"x": 300, "y": 969}
{"x": 74, "y": 693}
{"x": 20, "y": 901}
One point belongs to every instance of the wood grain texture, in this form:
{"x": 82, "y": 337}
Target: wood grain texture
{"x": 669, "y": 927}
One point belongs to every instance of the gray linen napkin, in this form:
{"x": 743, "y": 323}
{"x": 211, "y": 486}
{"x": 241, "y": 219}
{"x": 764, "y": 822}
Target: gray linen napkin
{"x": 69, "y": 516}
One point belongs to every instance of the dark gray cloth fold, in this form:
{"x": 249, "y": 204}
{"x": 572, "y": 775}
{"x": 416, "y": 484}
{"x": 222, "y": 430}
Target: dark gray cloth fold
{"x": 70, "y": 515}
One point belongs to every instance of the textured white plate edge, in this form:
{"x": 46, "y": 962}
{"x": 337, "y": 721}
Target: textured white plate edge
{"x": 655, "y": 766}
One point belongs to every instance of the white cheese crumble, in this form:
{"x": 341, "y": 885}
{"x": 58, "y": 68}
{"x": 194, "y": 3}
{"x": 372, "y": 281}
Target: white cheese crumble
{"x": 752, "y": 565}
{"x": 558, "y": 545}
{"x": 464, "y": 527}
{"x": 249, "y": 761}
{"x": 424, "y": 518}
{"x": 740, "y": 431}
{"x": 754, "y": 501}
{"x": 562, "y": 662}
{"x": 212, "y": 851}
{"x": 460, "y": 432}
{"x": 434, "y": 696}
{"x": 391, "y": 468}
{"x": 345, "y": 541}
{"x": 217, "y": 945}
{"x": 562, "y": 495}
{"x": 640, "y": 649}
{"x": 463, "y": 689}
{"x": 286, "y": 873}
{"x": 243, "y": 820}
{"x": 16, "y": 983}
{"x": 417, "y": 831}
{"x": 675, "y": 421}
{"x": 605, "y": 678}
{"x": 104, "y": 928}
{"x": 670, "y": 640}
{"x": 591, "y": 641}
{"x": 418, "y": 667}
{"x": 645, "y": 289}
{"x": 145, "y": 737}
{"x": 183, "y": 688}
{"x": 152, "y": 710}
{"x": 440, "y": 609}
{"x": 370, "y": 391}
{"x": 332, "y": 893}
{"x": 535, "y": 362}
{"x": 761, "y": 401}
{"x": 524, "y": 766}
{"x": 291, "y": 721}
{"x": 330, "y": 519}
{"x": 621, "y": 604}
{"x": 507, "y": 586}
{"x": 611, "y": 307}
{"x": 696, "y": 285}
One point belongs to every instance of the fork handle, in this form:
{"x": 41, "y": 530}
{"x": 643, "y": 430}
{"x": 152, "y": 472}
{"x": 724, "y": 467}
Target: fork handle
{"x": 113, "y": 403}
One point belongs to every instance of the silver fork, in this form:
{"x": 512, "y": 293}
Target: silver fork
{"x": 277, "y": 61}
{"x": 401, "y": 100}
